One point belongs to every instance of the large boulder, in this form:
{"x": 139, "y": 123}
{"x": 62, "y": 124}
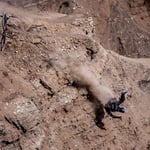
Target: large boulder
{"x": 20, "y": 125}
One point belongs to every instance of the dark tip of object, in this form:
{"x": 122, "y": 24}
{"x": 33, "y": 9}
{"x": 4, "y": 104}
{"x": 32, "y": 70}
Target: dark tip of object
{"x": 100, "y": 124}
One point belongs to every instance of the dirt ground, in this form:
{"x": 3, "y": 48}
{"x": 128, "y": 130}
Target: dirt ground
{"x": 41, "y": 107}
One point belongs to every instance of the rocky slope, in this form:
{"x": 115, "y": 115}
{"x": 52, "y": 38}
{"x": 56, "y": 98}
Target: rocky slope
{"x": 122, "y": 26}
{"x": 41, "y": 108}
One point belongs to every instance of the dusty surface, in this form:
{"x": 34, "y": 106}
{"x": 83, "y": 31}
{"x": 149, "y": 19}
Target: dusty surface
{"x": 40, "y": 108}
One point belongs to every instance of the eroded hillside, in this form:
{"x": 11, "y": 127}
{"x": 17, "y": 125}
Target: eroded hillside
{"x": 41, "y": 108}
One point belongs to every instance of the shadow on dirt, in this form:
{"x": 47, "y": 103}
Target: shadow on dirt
{"x": 98, "y": 110}
{"x": 66, "y": 7}
{"x": 97, "y": 105}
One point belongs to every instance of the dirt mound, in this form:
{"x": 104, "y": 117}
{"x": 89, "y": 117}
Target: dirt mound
{"x": 42, "y": 108}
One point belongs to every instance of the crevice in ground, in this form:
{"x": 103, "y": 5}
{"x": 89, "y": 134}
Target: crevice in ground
{"x": 17, "y": 125}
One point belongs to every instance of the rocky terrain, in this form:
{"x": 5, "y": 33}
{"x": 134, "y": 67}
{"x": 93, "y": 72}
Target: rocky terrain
{"x": 41, "y": 107}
